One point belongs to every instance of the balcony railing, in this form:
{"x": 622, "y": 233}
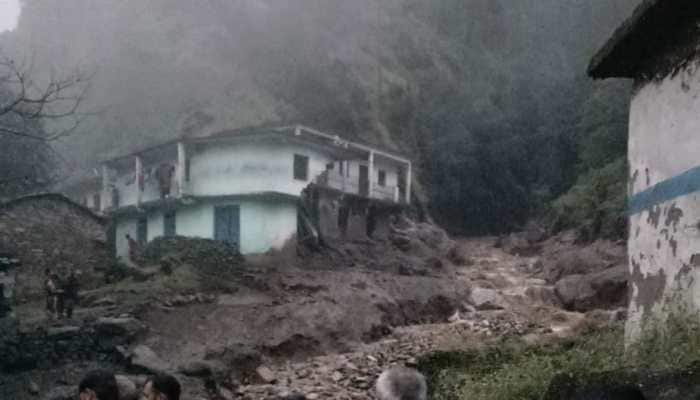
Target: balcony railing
{"x": 345, "y": 184}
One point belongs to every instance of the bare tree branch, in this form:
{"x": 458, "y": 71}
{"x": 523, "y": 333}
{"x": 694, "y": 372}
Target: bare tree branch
{"x": 24, "y": 104}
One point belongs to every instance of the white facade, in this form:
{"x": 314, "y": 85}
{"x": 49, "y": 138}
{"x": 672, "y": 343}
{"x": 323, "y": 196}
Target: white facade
{"x": 266, "y": 224}
{"x": 262, "y": 175}
{"x": 664, "y": 156}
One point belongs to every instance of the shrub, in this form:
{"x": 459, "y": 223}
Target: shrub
{"x": 596, "y": 205}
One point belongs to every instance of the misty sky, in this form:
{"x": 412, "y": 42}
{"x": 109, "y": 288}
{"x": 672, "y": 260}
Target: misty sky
{"x": 9, "y": 11}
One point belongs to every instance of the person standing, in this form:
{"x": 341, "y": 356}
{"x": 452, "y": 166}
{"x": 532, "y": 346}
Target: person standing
{"x": 58, "y": 299}
{"x": 50, "y": 289}
{"x": 133, "y": 247}
{"x": 70, "y": 293}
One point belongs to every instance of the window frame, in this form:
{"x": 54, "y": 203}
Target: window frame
{"x": 298, "y": 173}
{"x": 381, "y": 178}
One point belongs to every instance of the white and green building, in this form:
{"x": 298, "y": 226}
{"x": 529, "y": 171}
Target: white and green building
{"x": 238, "y": 186}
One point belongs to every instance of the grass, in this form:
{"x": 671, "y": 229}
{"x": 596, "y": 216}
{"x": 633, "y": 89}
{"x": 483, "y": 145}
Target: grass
{"x": 513, "y": 370}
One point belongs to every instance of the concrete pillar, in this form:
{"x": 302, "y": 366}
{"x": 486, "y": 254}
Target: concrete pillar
{"x": 139, "y": 179}
{"x": 408, "y": 183}
{"x": 371, "y": 176}
{"x": 105, "y": 188}
{"x": 180, "y": 171}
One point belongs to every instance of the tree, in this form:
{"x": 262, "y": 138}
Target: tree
{"x": 34, "y": 112}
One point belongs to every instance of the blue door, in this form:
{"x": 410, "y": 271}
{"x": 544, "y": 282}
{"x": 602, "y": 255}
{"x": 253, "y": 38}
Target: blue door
{"x": 227, "y": 225}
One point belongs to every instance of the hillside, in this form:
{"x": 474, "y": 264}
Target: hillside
{"x": 484, "y": 94}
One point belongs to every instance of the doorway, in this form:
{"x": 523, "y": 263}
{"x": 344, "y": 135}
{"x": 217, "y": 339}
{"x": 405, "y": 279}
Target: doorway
{"x": 227, "y": 225}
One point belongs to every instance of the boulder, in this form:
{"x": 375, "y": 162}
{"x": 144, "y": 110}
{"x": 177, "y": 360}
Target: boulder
{"x": 266, "y": 374}
{"x": 60, "y": 332}
{"x": 127, "y": 388}
{"x": 33, "y": 388}
{"x": 201, "y": 368}
{"x": 127, "y": 327}
{"x": 601, "y": 290}
{"x": 517, "y": 244}
{"x": 486, "y": 299}
{"x": 144, "y": 358}
{"x": 595, "y": 257}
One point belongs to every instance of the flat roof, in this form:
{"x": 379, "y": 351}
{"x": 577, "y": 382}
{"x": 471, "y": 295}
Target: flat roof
{"x": 654, "y": 27}
{"x": 299, "y": 132}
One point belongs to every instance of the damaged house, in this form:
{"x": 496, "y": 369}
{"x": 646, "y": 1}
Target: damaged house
{"x": 658, "y": 48}
{"x": 244, "y": 187}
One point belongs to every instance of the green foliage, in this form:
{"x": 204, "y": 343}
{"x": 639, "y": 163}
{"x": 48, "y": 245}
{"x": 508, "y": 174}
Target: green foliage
{"x": 514, "y": 371}
{"x": 596, "y": 204}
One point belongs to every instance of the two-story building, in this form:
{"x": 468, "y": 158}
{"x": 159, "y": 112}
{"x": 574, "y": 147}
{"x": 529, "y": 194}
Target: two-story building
{"x": 239, "y": 186}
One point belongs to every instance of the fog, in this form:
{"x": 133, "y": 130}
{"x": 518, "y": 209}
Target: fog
{"x": 468, "y": 80}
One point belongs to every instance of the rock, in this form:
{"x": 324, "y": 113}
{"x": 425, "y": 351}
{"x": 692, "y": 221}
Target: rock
{"x": 593, "y": 258}
{"x": 127, "y": 327}
{"x": 33, "y": 388}
{"x": 265, "y": 374}
{"x": 517, "y": 244}
{"x": 606, "y": 290}
{"x": 199, "y": 368}
{"x": 143, "y": 358}
{"x": 127, "y": 388}
{"x": 62, "y": 392}
{"x": 61, "y": 332}
{"x": 337, "y": 376}
{"x": 486, "y": 299}
{"x": 225, "y": 394}
{"x": 104, "y": 302}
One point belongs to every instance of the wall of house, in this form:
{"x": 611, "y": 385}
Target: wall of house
{"x": 264, "y": 224}
{"x": 50, "y": 231}
{"x": 241, "y": 168}
{"x": 664, "y": 243}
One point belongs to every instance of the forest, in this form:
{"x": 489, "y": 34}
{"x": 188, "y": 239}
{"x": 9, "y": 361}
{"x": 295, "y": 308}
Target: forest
{"x": 489, "y": 97}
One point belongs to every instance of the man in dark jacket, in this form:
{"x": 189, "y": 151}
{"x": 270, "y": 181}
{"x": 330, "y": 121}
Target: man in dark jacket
{"x": 70, "y": 293}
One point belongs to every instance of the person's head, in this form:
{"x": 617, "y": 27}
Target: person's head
{"x": 47, "y": 272}
{"x": 99, "y": 385}
{"x": 127, "y": 236}
{"x": 401, "y": 383}
{"x": 161, "y": 387}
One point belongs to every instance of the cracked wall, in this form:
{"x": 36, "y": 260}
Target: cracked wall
{"x": 664, "y": 158}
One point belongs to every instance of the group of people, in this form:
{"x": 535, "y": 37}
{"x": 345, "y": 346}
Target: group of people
{"x": 397, "y": 383}
{"x": 61, "y": 293}
{"x": 102, "y": 385}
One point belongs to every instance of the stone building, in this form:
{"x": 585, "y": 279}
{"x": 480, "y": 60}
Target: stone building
{"x": 657, "y": 47}
{"x": 51, "y": 231}
{"x": 239, "y": 186}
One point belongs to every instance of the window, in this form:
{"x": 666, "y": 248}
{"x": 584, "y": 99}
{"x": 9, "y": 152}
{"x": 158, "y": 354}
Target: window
{"x": 187, "y": 169}
{"x": 96, "y": 201}
{"x": 301, "y": 167}
{"x": 142, "y": 231}
{"x": 381, "y": 178}
{"x": 169, "y": 227}
{"x": 341, "y": 170}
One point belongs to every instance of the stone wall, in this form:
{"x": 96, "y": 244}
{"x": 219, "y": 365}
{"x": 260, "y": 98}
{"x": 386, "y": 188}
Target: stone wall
{"x": 50, "y": 231}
